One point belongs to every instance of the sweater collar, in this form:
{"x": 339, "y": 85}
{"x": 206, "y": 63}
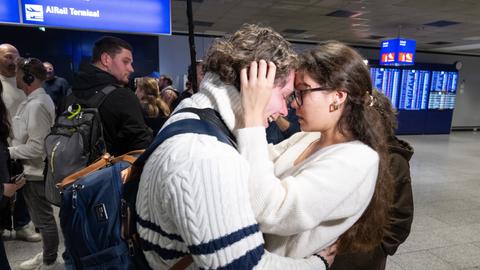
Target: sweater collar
{"x": 37, "y": 92}
{"x": 224, "y": 98}
{"x": 11, "y": 80}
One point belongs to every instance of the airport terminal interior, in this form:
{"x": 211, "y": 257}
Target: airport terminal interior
{"x": 446, "y": 225}
{"x": 436, "y": 92}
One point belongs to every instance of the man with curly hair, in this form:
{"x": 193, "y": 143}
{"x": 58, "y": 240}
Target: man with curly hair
{"x": 193, "y": 196}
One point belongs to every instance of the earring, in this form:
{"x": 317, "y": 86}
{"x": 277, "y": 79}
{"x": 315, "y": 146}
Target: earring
{"x": 333, "y": 106}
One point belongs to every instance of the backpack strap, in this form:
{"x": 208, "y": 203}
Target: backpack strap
{"x": 183, "y": 263}
{"x": 97, "y": 100}
{"x": 180, "y": 127}
{"x": 212, "y": 116}
{"x": 105, "y": 160}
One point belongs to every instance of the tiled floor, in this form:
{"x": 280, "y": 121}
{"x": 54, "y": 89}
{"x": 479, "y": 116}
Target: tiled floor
{"x": 446, "y": 187}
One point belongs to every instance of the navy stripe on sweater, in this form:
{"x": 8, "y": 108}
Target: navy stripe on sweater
{"x": 246, "y": 262}
{"x": 224, "y": 241}
{"x": 166, "y": 254}
{"x": 156, "y": 228}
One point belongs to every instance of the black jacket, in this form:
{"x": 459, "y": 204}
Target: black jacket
{"x": 121, "y": 113}
{"x": 4, "y": 173}
{"x": 57, "y": 88}
{"x": 401, "y": 215}
{"x": 5, "y": 220}
{"x": 154, "y": 123}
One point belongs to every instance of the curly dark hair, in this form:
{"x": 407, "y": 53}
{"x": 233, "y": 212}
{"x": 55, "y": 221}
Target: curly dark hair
{"x": 4, "y": 122}
{"x": 228, "y": 55}
{"x": 337, "y": 66}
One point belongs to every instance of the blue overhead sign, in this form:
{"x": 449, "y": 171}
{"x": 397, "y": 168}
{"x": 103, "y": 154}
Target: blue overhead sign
{"x": 398, "y": 51}
{"x": 133, "y": 16}
{"x": 9, "y": 11}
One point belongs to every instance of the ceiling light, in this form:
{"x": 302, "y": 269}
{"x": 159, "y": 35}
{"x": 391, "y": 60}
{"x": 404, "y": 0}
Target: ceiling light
{"x": 474, "y": 38}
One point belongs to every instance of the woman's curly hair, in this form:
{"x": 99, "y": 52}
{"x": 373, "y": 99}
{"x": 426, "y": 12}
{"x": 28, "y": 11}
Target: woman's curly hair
{"x": 151, "y": 101}
{"x": 228, "y": 55}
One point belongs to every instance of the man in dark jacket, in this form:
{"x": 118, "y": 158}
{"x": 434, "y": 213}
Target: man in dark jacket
{"x": 401, "y": 209}
{"x": 56, "y": 87}
{"x": 123, "y": 125}
{"x": 283, "y": 127}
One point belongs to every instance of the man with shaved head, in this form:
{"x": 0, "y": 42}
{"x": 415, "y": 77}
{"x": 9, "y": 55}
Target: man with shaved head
{"x": 56, "y": 87}
{"x": 12, "y": 96}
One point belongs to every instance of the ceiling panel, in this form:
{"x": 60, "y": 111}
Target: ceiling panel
{"x": 405, "y": 18}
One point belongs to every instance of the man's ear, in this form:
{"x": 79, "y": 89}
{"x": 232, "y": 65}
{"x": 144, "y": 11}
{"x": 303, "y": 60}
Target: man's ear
{"x": 105, "y": 59}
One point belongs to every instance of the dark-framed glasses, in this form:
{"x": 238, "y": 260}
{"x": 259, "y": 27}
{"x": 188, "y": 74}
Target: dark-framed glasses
{"x": 297, "y": 94}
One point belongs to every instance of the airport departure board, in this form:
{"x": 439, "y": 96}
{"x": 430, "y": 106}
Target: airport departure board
{"x": 443, "y": 90}
{"x": 414, "y": 86}
{"x": 386, "y": 80}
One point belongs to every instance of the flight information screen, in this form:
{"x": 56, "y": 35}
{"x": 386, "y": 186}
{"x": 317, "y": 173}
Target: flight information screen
{"x": 443, "y": 90}
{"x": 386, "y": 80}
{"x": 414, "y": 87}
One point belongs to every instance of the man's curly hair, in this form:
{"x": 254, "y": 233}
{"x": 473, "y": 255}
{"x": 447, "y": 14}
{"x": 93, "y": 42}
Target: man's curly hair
{"x": 228, "y": 55}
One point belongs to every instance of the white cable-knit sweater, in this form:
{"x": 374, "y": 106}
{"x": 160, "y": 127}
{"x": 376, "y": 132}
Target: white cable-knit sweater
{"x": 193, "y": 197}
{"x": 304, "y": 208}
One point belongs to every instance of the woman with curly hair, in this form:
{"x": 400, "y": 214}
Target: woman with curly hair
{"x": 329, "y": 183}
{"x": 155, "y": 110}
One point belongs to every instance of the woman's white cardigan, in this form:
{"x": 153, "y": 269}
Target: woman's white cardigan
{"x": 304, "y": 208}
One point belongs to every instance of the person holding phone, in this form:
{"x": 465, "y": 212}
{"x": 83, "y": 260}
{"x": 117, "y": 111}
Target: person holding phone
{"x": 30, "y": 125}
{"x": 7, "y": 188}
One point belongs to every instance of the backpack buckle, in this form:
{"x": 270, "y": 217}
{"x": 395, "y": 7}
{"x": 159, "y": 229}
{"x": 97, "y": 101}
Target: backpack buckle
{"x": 131, "y": 247}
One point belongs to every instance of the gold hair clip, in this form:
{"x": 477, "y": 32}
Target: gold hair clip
{"x": 372, "y": 101}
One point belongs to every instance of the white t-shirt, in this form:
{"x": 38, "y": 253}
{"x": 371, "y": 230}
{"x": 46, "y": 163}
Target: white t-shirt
{"x": 12, "y": 96}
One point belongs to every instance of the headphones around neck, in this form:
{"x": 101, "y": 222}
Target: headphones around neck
{"x": 28, "y": 77}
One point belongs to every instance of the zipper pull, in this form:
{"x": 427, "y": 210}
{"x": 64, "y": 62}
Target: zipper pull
{"x": 76, "y": 188}
{"x": 53, "y": 157}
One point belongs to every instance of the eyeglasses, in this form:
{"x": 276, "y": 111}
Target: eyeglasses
{"x": 297, "y": 94}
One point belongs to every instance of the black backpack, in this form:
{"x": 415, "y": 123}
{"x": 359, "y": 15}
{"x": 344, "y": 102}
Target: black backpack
{"x": 75, "y": 141}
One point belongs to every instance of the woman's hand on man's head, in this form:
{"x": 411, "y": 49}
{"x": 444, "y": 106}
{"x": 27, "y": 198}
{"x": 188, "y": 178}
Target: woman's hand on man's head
{"x": 256, "y": 85}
